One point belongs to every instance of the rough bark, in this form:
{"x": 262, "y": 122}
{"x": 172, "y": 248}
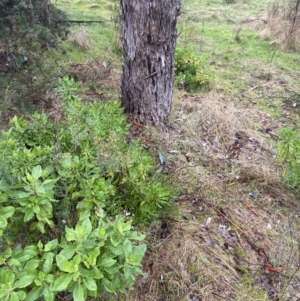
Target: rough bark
{"x": 148, "y": 38}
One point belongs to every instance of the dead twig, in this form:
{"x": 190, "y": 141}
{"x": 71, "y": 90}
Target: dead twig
{"x": 253, "y": 88}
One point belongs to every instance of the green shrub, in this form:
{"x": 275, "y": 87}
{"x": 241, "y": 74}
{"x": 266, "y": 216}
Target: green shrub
{"x": 75, "y": 182}
{"x": 191, "y": 70}
{"x": 289, "y": 154}
{"x": 88, "y": 261}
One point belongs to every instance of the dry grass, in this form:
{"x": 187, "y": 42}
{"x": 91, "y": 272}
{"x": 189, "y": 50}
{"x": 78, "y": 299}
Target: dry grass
{"x": 223, "y": 244}
{"x": 91, "y": 70}
{"x": 283, "y": 23}
{"x": 97, "y": 74}
{"x": 81, "y": 38}
{"x": 223, "y": 253}
{"x": 94, "y": 5}
{"x": 210, "y": 136}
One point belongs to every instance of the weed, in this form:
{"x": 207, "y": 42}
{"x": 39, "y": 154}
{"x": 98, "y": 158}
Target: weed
{"x": 191, "y": 70}
{"x": 289, "y": 154}
{"x": 76, "y": 180}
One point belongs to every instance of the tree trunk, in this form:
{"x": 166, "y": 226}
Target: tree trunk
{"x": 148, "y": 38}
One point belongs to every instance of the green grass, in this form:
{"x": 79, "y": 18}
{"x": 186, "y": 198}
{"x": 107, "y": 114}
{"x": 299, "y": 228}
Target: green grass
{"x": 238, "y": 64}
{"x": 251, "y": 80}
{"x": 102, "y": 35}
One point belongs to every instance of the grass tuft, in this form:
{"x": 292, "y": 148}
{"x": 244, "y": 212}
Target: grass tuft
{"x": 81, "y": 38}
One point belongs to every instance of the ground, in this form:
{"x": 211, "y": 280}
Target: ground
{"x": 233, "y": 231}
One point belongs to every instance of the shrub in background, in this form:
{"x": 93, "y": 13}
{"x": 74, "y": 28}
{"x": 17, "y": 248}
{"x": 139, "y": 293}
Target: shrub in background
{"x": 191, "y": 70}
{"x": 69, "y": 193}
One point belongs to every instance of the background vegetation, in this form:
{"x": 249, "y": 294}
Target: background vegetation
{"x": 79, "y": 183}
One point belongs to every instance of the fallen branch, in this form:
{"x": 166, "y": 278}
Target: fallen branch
{"x": 253, "y": 88}
{"x": 79, "y": 21}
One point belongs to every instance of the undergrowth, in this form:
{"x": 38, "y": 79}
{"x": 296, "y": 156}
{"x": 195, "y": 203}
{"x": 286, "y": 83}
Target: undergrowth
{"x": 66, "y": 187}
{"x": 289, "y": 155}
{"x": 191, "y": 70}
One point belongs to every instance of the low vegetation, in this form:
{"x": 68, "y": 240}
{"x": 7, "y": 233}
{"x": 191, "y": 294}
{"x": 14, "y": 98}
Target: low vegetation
{"x": 74, "y": 179}
{"x": 204, "y": 208}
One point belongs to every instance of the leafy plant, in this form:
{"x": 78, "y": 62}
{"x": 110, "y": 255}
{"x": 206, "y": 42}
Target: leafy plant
{"x": 82, "y": 183}
{"x": 289, "y": 154}
{"x": 191, "y": 70}
{"x": 87, "y": 262}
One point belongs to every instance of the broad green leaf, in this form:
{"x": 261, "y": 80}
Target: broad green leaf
{"x": 49, "y": 222}
{"x": 112, "y": 270}
{"x": 14, "y": 262}
{"x": 119, "y": 285}
{"x": 63, "y": 263}
{"x": 135, "y": 236}
{"x": 91, "y": 243}
{"x": 118, "y": 250}
{"x": 68, "y": 251}
{"x": 70, "y": 267}
{"x": 45, "y": 209}
{"x": 7, "y": 212}
{"x": 22, "y": 196}
{"x": 108, "y": 285}
{"x": 48, "y": 294}
{"x": 31, "y": 264}
{"x": 49, "y": 184}
{"x": 49, "y": 278}
{"x": 51, "y": 245}
{"x": 76, "y": 275}
{"x": 34, "y": 294}
{"x": 7, "y": 277}
{"x": 136, "y": 257}
{"x": 93, "y": 255}
{"x": 85, "y": 205}
{"x": 25, "y": 280}
{"x": 121, "y": 226}
{"x": 48, "y": 257}
{"x": 84, "y": 214}
{"x": 90, "y": 284}
{"x": 77, "y": 259}
{"x": 61, "y": 283}
{"x": 13, "y": 296}
{"x": 81, "y": 234}
{"x": 97, "y": 274}
{"x": 106, "y": 262}
{"x": 116, "y": 239}
{"x": 37, "y": 172}
{"x": 78, "y": 293}
{"x": 129, "y": 273}
{"x": 29, "y": 214}
{"x": 127, "y": 247}
{"x": 32, "y": 249}
{"x": 67, "y": 163}
{"x": 8, "y": 252}
{"x": 21, "y": 295}
{"x": 101, "y": 232}
{"x": 71, "y": 234}
{"x": 3, "y": 222}
{"x": 36, "y": 209}
{"x": 87, "y": 226}
{"x": 28, "y": 253}
{"x": 4, "y": 293}
{"x": 40, "y": 226}
{"x": 40, "y": 245}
